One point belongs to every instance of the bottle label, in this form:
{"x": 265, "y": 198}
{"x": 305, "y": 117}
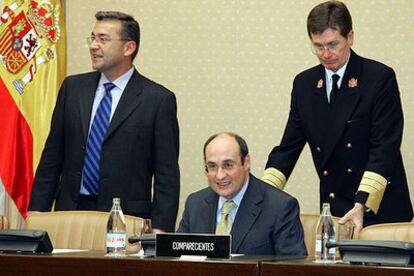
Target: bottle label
{"x": 318, "y": 246}
{"x": 116, "y": 240}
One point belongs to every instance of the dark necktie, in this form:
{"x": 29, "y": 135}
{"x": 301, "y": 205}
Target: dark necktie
{"x": 334, "y": 90}
{"x": 91, "y": 166}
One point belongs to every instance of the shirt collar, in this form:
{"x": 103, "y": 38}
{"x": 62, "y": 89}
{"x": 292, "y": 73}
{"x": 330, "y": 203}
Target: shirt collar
{"x": 120, "y": 82}
{"x": 340, "y": 72}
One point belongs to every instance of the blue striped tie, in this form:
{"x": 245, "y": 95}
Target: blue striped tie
{"x": 91, "y": 166}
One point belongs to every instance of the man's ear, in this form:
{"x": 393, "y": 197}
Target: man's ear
{"x": 129, "y": 48}
{"x": 246, "y": 164}
{"x": 350, "y": 38}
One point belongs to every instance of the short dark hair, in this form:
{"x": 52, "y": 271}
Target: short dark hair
{"x": 331, "y": 14}
{"x": 130, "y": 27}
{"x": 244, "y": 150}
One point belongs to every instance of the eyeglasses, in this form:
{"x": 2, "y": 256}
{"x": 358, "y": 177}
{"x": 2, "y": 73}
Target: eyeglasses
{"x": 227, "y": 166}
{"x": 101, "y": 39}
{"x": 331, "y": 47}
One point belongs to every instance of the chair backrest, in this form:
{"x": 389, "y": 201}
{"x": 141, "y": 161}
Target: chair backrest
{"x": 4, "y": 223}
{"x": 75, "y": 229}
{"x": 309, "y": 223}
{"x": 403, "y": 231}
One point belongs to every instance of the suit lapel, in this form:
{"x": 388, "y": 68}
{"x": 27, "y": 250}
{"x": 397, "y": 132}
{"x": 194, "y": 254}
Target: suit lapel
{"x": 208, "y": 219}
{"x": 344, "y": 106}
{"x": 319, "y": 101}
{"x": 318, "y": 110}
{"x": 319, "y": 85}
{"x": 247, "y": 214}
{"x": 127, "y": 104}
{"x": 86, "y": 97}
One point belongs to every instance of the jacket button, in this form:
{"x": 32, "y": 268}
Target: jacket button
{"x": 318, "y": 149}
{"x": 325, "y": 173}
{"x": 349, "y": 170}
{"x": 332, "y": 196}
{"x": 349, "y": 145}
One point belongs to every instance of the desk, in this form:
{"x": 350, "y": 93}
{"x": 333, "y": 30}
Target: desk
{"x": 95, "y": 263}
{"x": 306, "y": 267}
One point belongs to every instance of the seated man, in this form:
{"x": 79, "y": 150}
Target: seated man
{"x": 261, "y": 219}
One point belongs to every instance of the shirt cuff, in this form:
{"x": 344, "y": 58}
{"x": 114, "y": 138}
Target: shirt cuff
{"x": 275, "y": 178}
{"x": 371, "y": 190}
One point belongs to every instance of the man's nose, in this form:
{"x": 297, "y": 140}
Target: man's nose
{"x": 94, "y": 45}
{"x": 221, "y": 173}
{"x": 326, "y": 53}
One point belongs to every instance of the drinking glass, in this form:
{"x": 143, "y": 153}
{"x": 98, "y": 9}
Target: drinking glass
{"x": 345, "y": 231}
{"x": 140, "y": 227}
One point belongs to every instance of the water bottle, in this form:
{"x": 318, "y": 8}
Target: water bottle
{"x": 325, "y": 232}
{"x": 116, "y": 231}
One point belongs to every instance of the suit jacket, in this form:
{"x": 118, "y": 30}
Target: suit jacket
{"x": 142, "y": 142}
{"x": 361, "y": 132}
{"x": 267, "y": 221}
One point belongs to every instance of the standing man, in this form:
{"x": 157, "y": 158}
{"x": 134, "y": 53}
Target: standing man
{"x": 262, "y": 220}
{"x": 348, "y": 110}
{"x": 113, "y": 133}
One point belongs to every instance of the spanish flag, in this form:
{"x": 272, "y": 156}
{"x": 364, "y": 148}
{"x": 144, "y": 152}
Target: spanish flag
{"x": 32, "y": 68}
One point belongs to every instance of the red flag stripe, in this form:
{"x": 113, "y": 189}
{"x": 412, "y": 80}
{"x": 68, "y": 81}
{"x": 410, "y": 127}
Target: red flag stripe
{"x": 16, "y": 151}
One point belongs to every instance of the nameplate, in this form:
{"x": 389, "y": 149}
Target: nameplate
{"x": 178, "y": 244}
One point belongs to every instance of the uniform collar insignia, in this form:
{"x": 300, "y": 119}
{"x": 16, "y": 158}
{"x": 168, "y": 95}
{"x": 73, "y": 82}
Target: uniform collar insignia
{"x": 353, "y": 83}
{"x": 319, "y": 84}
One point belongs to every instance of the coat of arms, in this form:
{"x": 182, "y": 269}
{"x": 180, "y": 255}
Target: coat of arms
{"x": 20, "y": 42}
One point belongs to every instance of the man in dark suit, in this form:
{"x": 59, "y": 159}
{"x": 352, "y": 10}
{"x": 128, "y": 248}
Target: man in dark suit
{"x": 87, "y": 159}
{"x": 262, "y": 219}
{"x": 348, "y": 110}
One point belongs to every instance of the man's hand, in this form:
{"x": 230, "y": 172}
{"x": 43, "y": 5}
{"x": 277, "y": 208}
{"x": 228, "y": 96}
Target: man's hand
{"x": 157, "y": 231}
{"x": 356, "y": 216}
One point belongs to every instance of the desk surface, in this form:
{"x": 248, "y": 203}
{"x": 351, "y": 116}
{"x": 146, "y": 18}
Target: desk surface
{"x": 95, "y": 263}
{"x": 306, "y": 267}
